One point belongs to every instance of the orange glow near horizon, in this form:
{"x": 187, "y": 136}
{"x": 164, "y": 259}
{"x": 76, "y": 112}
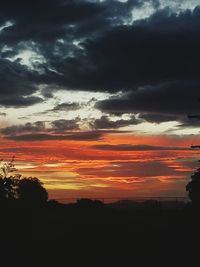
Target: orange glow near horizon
{"x": 78, "y": 169}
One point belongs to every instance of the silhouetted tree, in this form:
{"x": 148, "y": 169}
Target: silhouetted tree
{"x": 193, "y": 188}
{"x": 8, "y": 184}
{"x": 27, "y": 190}
{"x": 31, "y": 191}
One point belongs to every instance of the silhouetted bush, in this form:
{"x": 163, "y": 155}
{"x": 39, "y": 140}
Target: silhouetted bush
{"x": 31, "y": 191}
{"x": 193, "y": 188}
{"x": 89, "y": 203}
{"x": 7, "y": 188}
{"x": 26, "y": 190}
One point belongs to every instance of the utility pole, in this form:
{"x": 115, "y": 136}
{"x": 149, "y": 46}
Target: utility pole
{"x": 194, "y": 117}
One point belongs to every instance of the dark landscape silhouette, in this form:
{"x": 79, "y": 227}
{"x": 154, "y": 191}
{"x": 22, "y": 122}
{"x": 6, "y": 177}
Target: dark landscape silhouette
{"x": 37, "y": 231}
{"x": 100, "y": 104}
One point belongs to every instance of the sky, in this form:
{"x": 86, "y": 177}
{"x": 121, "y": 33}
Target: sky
{"x": 95, "y": 95}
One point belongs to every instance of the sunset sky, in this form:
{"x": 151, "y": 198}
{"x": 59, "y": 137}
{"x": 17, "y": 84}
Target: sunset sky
{"x": 95, "y": 94}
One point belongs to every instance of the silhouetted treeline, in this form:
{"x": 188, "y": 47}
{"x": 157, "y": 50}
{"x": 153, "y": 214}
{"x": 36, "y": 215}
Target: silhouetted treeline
{"x": 90, "y": 233}
{"x": 36, "y": 231}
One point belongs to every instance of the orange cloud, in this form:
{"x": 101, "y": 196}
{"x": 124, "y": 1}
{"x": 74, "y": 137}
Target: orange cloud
{"x": 79, "y": 169}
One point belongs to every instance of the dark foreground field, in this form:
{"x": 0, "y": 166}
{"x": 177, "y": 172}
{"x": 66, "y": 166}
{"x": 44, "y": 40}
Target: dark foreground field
{"x": 93, "y": 234}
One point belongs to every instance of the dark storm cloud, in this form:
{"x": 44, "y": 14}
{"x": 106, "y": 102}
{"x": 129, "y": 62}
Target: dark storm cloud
{"x": 158, "y": 118}
{"x": 125, "y": 56}
{"x": 77, "y": 136}
{"x": 105, "y": 123}
{"x": 20, "y": 101}
{"x": 127, "y": 147}
{"x": 89, "y": 45}
{"x": 54, "y": 130}
{"x": 58, "y": 130}
{"x": 67, "y": 107}
{"x": 57, "y": 126}
{"x": 27, "y": 127}
{"x": 189, "y": 123}
{"x": 45, "y": 20}
{"x": 62, "y": 107}
{"x": 49, "y": 28}
{"x": 65, "y": 125}
{"x": 16, "y": 85}
{"x": 52, "y": 19}
{"x": 158, "y": 103}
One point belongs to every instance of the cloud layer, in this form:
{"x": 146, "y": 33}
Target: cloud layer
{"x": 98, "y": 46}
